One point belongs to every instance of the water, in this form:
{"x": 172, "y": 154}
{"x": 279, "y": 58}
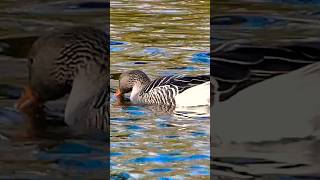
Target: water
{"x": 58, "y": 153}
{"x": 267, "y": 22}
{"x": 161, "y": 38}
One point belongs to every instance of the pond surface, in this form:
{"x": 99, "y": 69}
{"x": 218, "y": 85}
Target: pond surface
{"x": 267, "y": 22}
{"x": 161, "y": 38}
{"x": 58, "y": 153}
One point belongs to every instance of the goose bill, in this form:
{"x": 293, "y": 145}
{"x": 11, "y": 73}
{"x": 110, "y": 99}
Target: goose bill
{"x": 28, "y": 99}
{"x": 118, "y": 93}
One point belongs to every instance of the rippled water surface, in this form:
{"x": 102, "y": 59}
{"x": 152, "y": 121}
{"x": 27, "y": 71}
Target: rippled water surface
{"x": 267, "y": 22}
{"x": 57, "y": 153}
{"x": 161, "y": 38}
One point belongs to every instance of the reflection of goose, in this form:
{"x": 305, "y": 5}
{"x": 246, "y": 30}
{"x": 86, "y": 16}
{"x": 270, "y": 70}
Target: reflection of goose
{"x": 284, "y": 100}
{"x": 169, "y": 90}
{"x": 72, "y": 61}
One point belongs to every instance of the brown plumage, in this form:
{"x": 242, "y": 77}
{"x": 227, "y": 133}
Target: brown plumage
{"x": 74, "y": 61}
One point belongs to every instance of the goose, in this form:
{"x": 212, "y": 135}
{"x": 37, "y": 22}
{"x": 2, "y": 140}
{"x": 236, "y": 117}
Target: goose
{"x": 71, "y": 61}
{"x": 175, "y": 91}
{"x": 271, "y": 94}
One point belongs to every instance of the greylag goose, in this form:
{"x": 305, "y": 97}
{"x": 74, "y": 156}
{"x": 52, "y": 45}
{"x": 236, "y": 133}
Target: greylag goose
{"x": 168, "y": 90}
{"x": 266, "y": 93}
{"x": 72, "y": 61}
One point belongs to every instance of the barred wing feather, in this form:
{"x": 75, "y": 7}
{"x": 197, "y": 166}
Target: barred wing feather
{"x": 178, "y": 83}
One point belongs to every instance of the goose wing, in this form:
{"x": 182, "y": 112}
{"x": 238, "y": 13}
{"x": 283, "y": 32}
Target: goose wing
{"x": 178, "y": 83}
{"x": 237, "y": 66}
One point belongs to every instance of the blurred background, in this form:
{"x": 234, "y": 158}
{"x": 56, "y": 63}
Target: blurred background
{"x": 268, "y": 23}
{"x": 57, "y": 155}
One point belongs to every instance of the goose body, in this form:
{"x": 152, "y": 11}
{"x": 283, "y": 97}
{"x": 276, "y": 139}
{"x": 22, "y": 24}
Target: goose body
{"x": 282, "y": 102}
{"x": 192, "y": 97}
{"x": 169, "y": 90}
{"x": 71, "y": 61}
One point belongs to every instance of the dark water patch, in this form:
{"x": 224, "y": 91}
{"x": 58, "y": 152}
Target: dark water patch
{"x": 237, "y": 55}
{"x": 74, "y": 148}
{"x": 246, "y": 21}
{"x": 89, "y": 5}
{"x": 244, "y": 161}
{"x": 228, "y": 72}
{"x": 273, "y": 66}
{"x": 217, "y": 40}
{"x": 17, "y": 46}
{"x": 140, "y": 63}
{"x": 160, "y": 170}
{"x": 227, "y": 20}
{"x": 64, "y": 7}
{"x": 10, "y": 91}
{"x": 84, "y": 165}
{"x": 295, "y": 2}
{"x": 10, "y": 115}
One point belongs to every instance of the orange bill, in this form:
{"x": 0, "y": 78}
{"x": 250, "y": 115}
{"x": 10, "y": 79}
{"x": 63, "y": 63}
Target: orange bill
{"x": 118, "y": 93}
{"x": 27, "y": 99}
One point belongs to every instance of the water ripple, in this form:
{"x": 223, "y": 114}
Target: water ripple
{"x": 168, "y": 159}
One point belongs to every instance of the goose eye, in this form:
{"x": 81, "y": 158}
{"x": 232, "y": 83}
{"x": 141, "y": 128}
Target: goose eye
{"x": 29, "y": 64}
{"x": 30, "y": 61}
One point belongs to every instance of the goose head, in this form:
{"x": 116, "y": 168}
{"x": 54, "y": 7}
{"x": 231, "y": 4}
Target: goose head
{"x": 132, "y": 81}
{"x": 72, "y": 61}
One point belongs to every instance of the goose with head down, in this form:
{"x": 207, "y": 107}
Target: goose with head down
{"x": 167, "y": 90}
{"x": 266, "y": 93}
{"x": 74, "y": 61}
